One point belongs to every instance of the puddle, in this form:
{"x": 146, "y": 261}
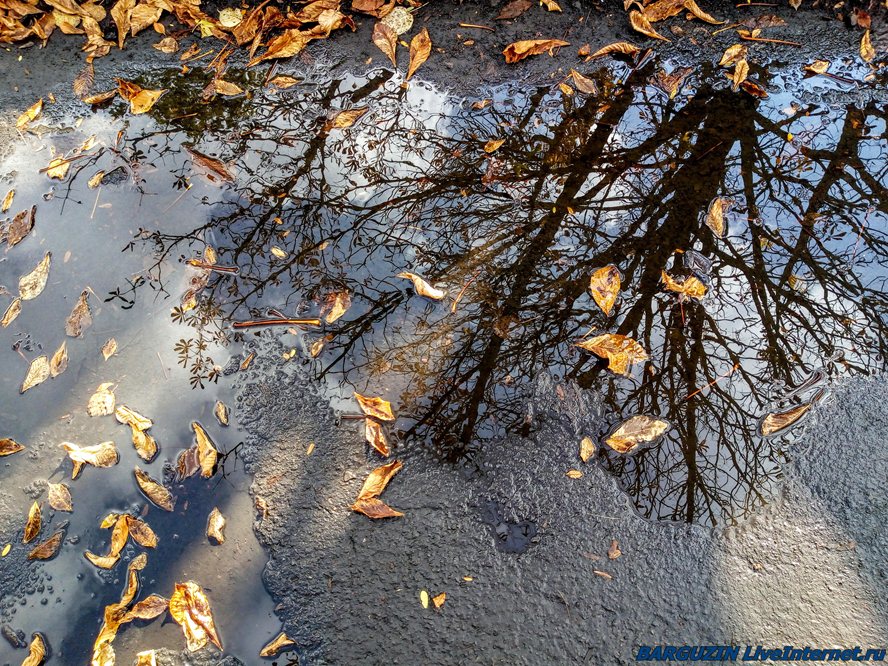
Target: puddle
{"x": 795, "y": 291}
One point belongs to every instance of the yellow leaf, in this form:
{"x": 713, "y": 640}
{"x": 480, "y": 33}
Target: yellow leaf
{"x": 36, "y": 651}
{"x": 587, "y": 449}
{"x": 605, "y": 287}
{"x": 6, "y": 549}
{"x": 438, "y": 600}
{"x": 98, "y": 455}
{"x": 345, "y": 119}
{"x": 149, "y": 608}
{"x": 288, "y": 43}
{"x": 190, "y": 607}
{"x": 154, "y": 491}
{"x": 375, "y": 407}
{"x": 619, "y": 350}
{"x": 817, "y": 67}
{"x": 59, "y": 361}
{"x": 207, "y": 453}
{"x": 7, "y": 201}
{"x": 47, "y": 549}
{"x": 715, "y": 215}
{"x": 399, "y": 19}
{"x": 9, "y": 446}
{"x": 420, "y": 49}
{"x": 59, "y": 497}
{"x": 637, "y": 430}
{"x": 31, "y": 113}
{"x": 283, "y": 82}
{"x": 732, "y": 54}
{"x": 222, "y": 413}
{"x": 109, "y": 348}
{"x": 777, "y": 421}
{"x": 641, "y": 24}
{"x": 741, "y": 72}
{"x": 80, "y": 317}
{"x": 275, "y": 645}
{"x": 146, "y": 658}
{"x": 145, "y": 444}
{"x": 493, "y": 145}
{"x": 689, "y": 286}
{"x": 528, "y": 47}
{"x": 227, "y": 88}
{"x": 130, "y": 417}
{"x": 31, "y": 284}
{"x": 621, "y": 48}
{"x": 101, "y": 403}
{"x": 695, "y": 10}
{"x": 565, "y": 89}
{"x": 38, "y": 372}
{"x": 336, "y": 305}
{"x": 58, "y": 168}
{"x": 141, "y": 533}
{"x": 551, "y": 5}
{"x": 368, "y": 501}
{"x": 32, "y": 527}
{"x": 423, "y": 288}
{"x": 867, "y": 52}
{"x": 121, "y": 13}
{"x": 375, "y": 435}
{"x": 140, "y": 99}
{"x": 12, "y": 311}
{"x": 216, "y": 526}
{"x": 424, "y": 598}
{"x": 574, "y": 474}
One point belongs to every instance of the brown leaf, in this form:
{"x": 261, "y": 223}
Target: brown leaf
{"x": 207, "y": 453}
{"x": 732, "y": 54}
{"x": 101, "y": 403}
{"x": 210, "y": 164}
{"x": 715, "y": 215}
{"x": 492, "y": 146}
{"x": 637, "y": 430}
{"x": 145, "y": 444}
{"x": 36, "y": 651}
{"x": 154, "y": 491}
{"x": 20, "y": 227}
{"x": 439, "y": 599}
{"x": 12, "y": 311}
{"x": 80, "y": 318}
{"x": 663, "y": 9}
{"x": 109, "y": 348}
{"x": 386, "y": 40}
{"x": 345, "y": 119}
{"x": 583, "y": 84}
{"x": 375, "y": 435}
{"x": 141, "y": 100}
{"x": 605, "y": 287}
{"x": 190, "y": 607}
{"x": 335, "y": 306}
{"x": 222, "y": 413}
{"x": 420, "y": 49}
{"x": 283, "y": 82}
{"x": 100, "y": 98}
{"x": 9, "y": 446}
{"x": 59, "y": 361}
{"x": 275, "y": 645}
{"x": 641, "y": 24}
{"x": 423, "y": 288}
{"x": 378, "y": 479}
{"x": 740, "y": 74}
{"x": 614, "y": 551}
{"x": 587, "y": 449}
{"x": 817, "y": 67}
{"x": 690, "y": 286}
{"x": 528, "y": 47}
{"x": 514, "y": 9}
{"x": 98, "y": 455}
{"x": 619, "y": 350}
{"x": 375, "y": 508}
{"x": 619, "y": 48}
{"x": 32, "y": 527}
{"x": 754, "y": 89}
{"x": 146, "y": 658}
{"x": 47, "y": 549}
{"x": 227, "y": 88}
{"x": 59, "y": 497}
{"x": 867, "y": 52}
{"x": 38, "y": 372}
{"x": 121, "y": 13}
{"x": 148, "y": 608}
{"x": 141, "y": 533}
{"x": 216, "y": 526}
{"x": 30, "y": 114}
{"x": 167, "y": 45}
{"x": 695, "y": 10}
{"x": 777, "y": 421}
{"x": 375, "y": 407}
{"x": 132, "y": 418}
{"x": 7, "y": 201}
{"x": 31, "y": 284}
{"x": 285, "y": 45}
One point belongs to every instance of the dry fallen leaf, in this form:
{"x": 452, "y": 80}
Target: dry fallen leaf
{"x": 423, "y": 288}
{"x": 97, "y": 455}
{"x": 715, "y": 215}
{"x": 216, "y": 526}
{"x": 641, "y": 24}
{"x": 47, "y": 549}
{"x": 116, "y": 614}
{"x": 584, "y": 84}
{"x": 551, "y": 5}
{"x": 12, "y": 311}
{"x": 132, "y": 418}
{"x": 587, "y": 449}
{"x": 375, "y": 407}
{"x": 38, "y": 372}
{"x": 867, "y": 52}
{"x": 399, "y": 19}
{"x": 101, "y": 403}
{"x": 335, "y": 306}
{"x": 80, "y": 318}
{"x": 345, "y": 119}
{"x": 7, "y": 201}
{"x": 36, "y": 651}
{"x": 424, "y": 598}
{"x": 695, "y": 10}
{"x": 276, "y": 644}
{"x": 617, "y": 48}
{"x": 574, "y": 474}
{"x": 31, "y": 113}
{"x": 368, "y": 501}
{"x": 777, "y": 421}
{"x": 283, "y": 81}
{"x": 528, "y": 47}
{"x": 190, "y": 607}
{"x": 614, "y": 551}
{"x": 9, "y": 446}
{"x": 690, "y": 286}
{"x": 32, "y": 527}
{"x": 31, "y": 285}
{"x": 211, "y": 164}
{"x": 514, "y": 9}
{"x": 207, "y": 453}
{"x": 817, "y": 67}
{"x": 59, "y": 361}
{"x": 732, "y": 54}
{"x": 141, "y": 100}
{"x": 602, "y": 574}
{"x": 637, "y": 430}
{"x": 58, "y": 168}
{"x": 154, "y": 491}
{"x": 619, "y": 350}
{"x": 140, "y": 532}
{"x": 59, "y": 497}
{"x": 146, "y": 658}
{"x": 493, "y": 145}
{"x": 148, "y": 608}
{"x": 386, "y": 40}
{"x": 740, "y": 74}
{"x": 20, "y": 227}
{"x": 222, "y": 413}
{"x": 145, "y": 444}
{"x": 109, "y": 348}
{"x": 439, "y": 599}
{"x": 605, "y": 287}
{"x": 420, "y": 49}
{"x": 375, "y": 435}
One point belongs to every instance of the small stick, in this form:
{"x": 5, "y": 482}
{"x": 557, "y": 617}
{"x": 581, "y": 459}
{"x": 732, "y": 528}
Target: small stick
{"x": 213, "y": 267}
{"x": 714, "y": 381}
{"x": 770, "y": 41}
{"x": 479, "y": 27}
{"x": 252, "y": 323}
{"x": 463, "y": 291}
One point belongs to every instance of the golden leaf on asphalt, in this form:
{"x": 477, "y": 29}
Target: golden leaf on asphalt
{"x": 424, "y": 598}
{"x": 80, "y": 318}
{"x": 582, "y": 83}
{"x": 97, "y": 455}
{"x": 276, "y": 644}
{"x": 47, "y": 549}
{"x": 38, "y": 372}
{"x": 222, "y": 413}
{"x": 216, "y": 526}
{"x": 36, "y": 651}
{"x": 587, "y": 449}
{"x": 619, "y": 350}
{"x": 605, "y": 287}
{"x": 641, "y": 24}
{"x": 493, "y": 145}
{"x": 101, "y": 403}
{"x": 140, "y": 99}
{"x": 617, "y": 48}
{"x": 59, "y": 497}
{"x": 132, "y": 418}
{"x": 423, "y": 288}
{"x": 58, "y": 168}
{"x": 154, "y": 491}
{"x": 12, "y": 311}
{"x": 227, "y": 88}
{"x": 637, "y": 430}
{"x": 375, "y": 407}
{"x": 345, "y": 119}
{"x": 146, "y": 658}
{"x": 84, "y": 80}
{"x": 420, "y": 49}
{"x": 867, "y": 52}
{"x": 689, "y": 286}
{"x": 375, "y": 435}
{"x": 7, "y": 201}
{"x": 190, "y": 607}
{"x": 732, "y": 54}
{"x": 31, "y": 285}
{"x": 574, "y": 474}
{"x": 777, "y": 421}
{"x": 32, "y": 527}
{"x": 740, "y": 74}
{"x": 167, "y": 45}
{"x": 31, "y": 113}
{"x": 520, "y": 50}
{"x": 149, "y": 608}
{"x": 9, "y": 446}
{"x": 817, "y": 67}
{"x": 206, "y": 450}
{"x": 335, "y": 306}
{"x": 140, "y": 532}
{"x": 375, "y": 508}
{"x": 551, "y": 5}
{"x": 145, "y": 444}
{"x": 6, "y": 549}
{"x": 614, "y": 551}
{"x": 283, "y": 81}
{"x": 59, "y": 361}
{"x": 695, "y": 10}
{"x": 715, "y": 215}
{"x": 20, "y": 227}
{"x": 368, "y": 501}
{"x": 109, "y": 348}
{"x": 439, "y": 599}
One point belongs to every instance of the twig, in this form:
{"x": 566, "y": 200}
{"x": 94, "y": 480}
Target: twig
{"x": 714, "y": 381}
{"x": 479, "y": 27}
{"x": 463, "y": 291}
{"x": 252, "y": 323}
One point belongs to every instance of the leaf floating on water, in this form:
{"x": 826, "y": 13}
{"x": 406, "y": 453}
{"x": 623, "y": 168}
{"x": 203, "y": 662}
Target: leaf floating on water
{"x": 20, "y": 227}
{"x": 216, "y": 526}
{"x": 345, "y": 119}
{"x": 375, "y": 435}
{"x": 368, "y": 501}
{"x": 817, "y": 67}
{"x": 102, "y": 561}
{"x": 154, "y": 491}
{"x": 283, "y": 82}
{"x": 276, "y": 645}
{"x": 584, "y": 84}
{"x": 438, "y": 600}
{"x": 80, "y": 318}
{"x": 206, "y": 450}
{"x": 637, "y": 430}
{"x": 587, "y": 449}
{"x": 31, "y": 114}
{"x": 617, "y": 48}
{"x": 97, "y": 455}
{"x": 690, "y": 287}
{"x": 777, "y": 421}
{"x": 335, "y": 306}
{"x": 9, "y": 446}
{"x": 149, "y": 608}
{"x": 423, "y": 288}
{"x": 32, "y": 284}
{"x": 38, "y": 372}
{"x": 605, "y": 287}
{"x": 619, "y": 350}
{"x": 715, "y": 215}
{"x": 7, "y": 201}
{"x": 115, "y": 615}
{"x": 132, "y": 418}
{"x": 221, "y": 412}
{"x": 217, "y": 167}
{"x": 58, "y": 168}
{"x": 614, "y": 551}
{"x": 733, "y": 54}
{"x": 59, "y": 361}
{"x": 101, "y": 403}
{"x": 146, "y": 658}
{"x": 420, "y": 50}
{"x": 375, "y": 407}
{"x": 12, "y": 311}
{"x": 109, "y": 348}
{"x": 641, "y": 24}
{"x": 145, "y": 444}
{"x": 84, "y": 80}
{"x": 48, "y": 549}
{"x": 59, "y": 497}
{"x": 190, "y": 607}
{"x": 520, "y": 50}
{"x": 140, "y": 532}
{"x": 867, "y": 52}
{"x": 492, "y": 146}
{"x": 32, "y": 527}
{"x": 141, "y": 100}
{"x": 36, "y": 651}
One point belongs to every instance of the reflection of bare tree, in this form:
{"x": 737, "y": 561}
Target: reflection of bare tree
{"x": 622, "y": 178}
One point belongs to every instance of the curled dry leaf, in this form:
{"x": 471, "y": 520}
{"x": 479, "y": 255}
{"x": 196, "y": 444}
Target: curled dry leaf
{"x": 345, "y": 119}
{"x": 715, "y": 215}
{"x": 493, "y": 145}
{"x": 617, "y": 48}
{"x": 109, "y": 348}
{"x": 614, "y": 551}
{"x": 190, "y": 607}
{"x": 574, "y": 474}
{"x": 690, "y": 286}
{"x": 276, "y": 645}
{"x": 605, "y": 287}
{"x": 216, "y": 526}
{"x": 59, "y": 497}
{"x": 732, "y": 54}
{"x": 335, "y": 306}
{"x": 132, "y": 418}
{"x": 368, "y": 501}
{"x": 420, "y": 49}
{"x": 587, "y": 449}
{"x": 13, "y": 310}
{"x": 141, "y": 533}
{"x": 47, "y": 549}
{"x": 529, "y": 47}
{"x": 817, "y": 67}
{"x": 97, "y": 455}
{"x": 20, "y": 227}
{"x": 641, "y": 24}
{"x": 38, "y": 372}
{"x": 282, "y": 81}
{"x": 80, "y": 318}
{"x": 30, "y": 114}
{"x": 36, "y": 651}
{"x": 375, "y": 435}
{"x": 740, "y": 74}
{"x": 115, "y": 614}
{"x": 9, "y": 446}
{"x": 375, "y": 407}
{"x": 619, "y": 350}
{"x": 149, "y": 608}
{"x": 867, "y": 52}
{"x": 423, "y": 288}
{"x": 59, "y": 361}
{"x": 637, "y": 430}
{"x": 154, "y": 491}
{"x": 32, "y": 284}
{"x": 551, "y": 5}
{"x": 101, "y": 403}
{"x": 7, "y": 201}
{"x": 696, "y": 12}
{"x": 222, "y": 413}
{"x": 211, "y": 164}
{"x": 584, "y": 84}
{"x": 141, "y": 100}
{"x": 207, "y": 453}
{"x": 386, "y": 40}
{"x": 145, "y": 444}
{"x": 32, "y": 526}
{"x": 777, "y": 421}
